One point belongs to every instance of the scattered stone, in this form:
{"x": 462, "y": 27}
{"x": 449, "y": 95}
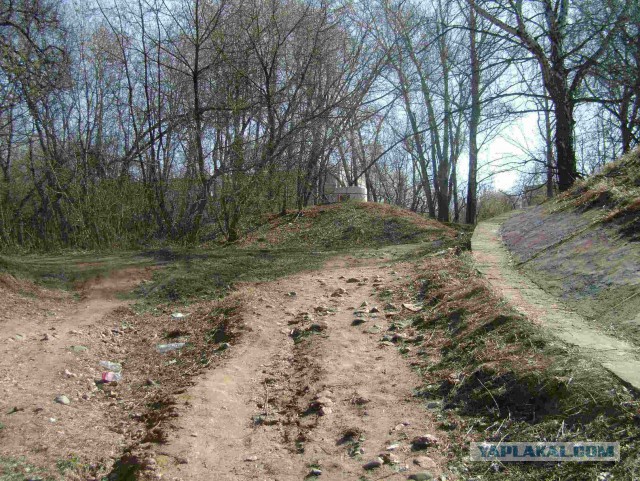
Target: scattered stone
{"x": 364, "y": 304}
{"x": 321, "y": 309}
{"x": 358, "y": 321}
{"x": 339, "y": 292}
{"x": 398, "y": 337}
{"x": 390, "y": 307}
{"x": 178, "y": 316}
{"x": 251, "y": 459}
{"x": 375, "y": 329}
{"x": 315, "y": 472}
{"x": 353, "y": 280}
{"x": 412, "y": 307}
{"x": 292, "y": 294}
{"x": 390, "y": 458}
{"x": 373, "y": 310}
{"x": 68, "y": 373}
{"x": 224, "y": 346}
{"x": 392, "y": 447}
{"x": 296, "y": 332}
{"x": 319, "y": 326}
{"x": 376, "y": 463}
{"x": 324, "y": 401}
{"x": 426, "y": 476}
{"x": 360, "y": 401}
{"x": 63, "y": 400}
{"x": 425, "y": 462}
{"x": 172, "y": 346}
{"x": 325, "y": 411}
{"x": 45, "y": 337}
{"x": 424, "y": 441}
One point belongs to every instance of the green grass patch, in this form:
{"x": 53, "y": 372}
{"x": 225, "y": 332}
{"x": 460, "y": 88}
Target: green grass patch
{"x": 295, "y": 242}
{"x": 18, "y": 469}
{"x": 348, "y": 226}
{"x": 65, "y": 270}
{"x": 211, "y": 274}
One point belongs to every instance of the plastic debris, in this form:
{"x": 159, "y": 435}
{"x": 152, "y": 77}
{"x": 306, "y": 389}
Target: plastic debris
{"x": 174, "y": 346}
{"x": 178, "y": 315}
{"x": 111, "y": 366}
{"x": 111, "y": 376}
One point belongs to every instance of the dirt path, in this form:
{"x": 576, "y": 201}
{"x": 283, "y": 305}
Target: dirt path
{"x": 47, "y": 347}
{"x": 493, "y": 260}
{"x": 279, "y": 409}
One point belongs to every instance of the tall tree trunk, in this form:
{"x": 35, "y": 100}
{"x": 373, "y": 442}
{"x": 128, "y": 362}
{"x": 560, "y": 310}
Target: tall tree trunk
{"x": 565, "y": 150}
{"x": 472, "y": 182}
{"x": 548, "y": 148}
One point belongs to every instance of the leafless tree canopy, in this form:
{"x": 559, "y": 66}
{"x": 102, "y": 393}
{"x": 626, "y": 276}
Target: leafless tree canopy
{"x": 122, "y": 122}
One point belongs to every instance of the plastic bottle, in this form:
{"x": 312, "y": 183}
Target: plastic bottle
{"x": 111, "y": 376}
{"x": 111, "y": 366}
{"x": 162, "y": 348}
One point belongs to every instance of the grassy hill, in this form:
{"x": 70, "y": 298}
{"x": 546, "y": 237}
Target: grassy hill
{"x": 280, "y": 245}
{"x": 285, "y": 244}
{"x": 348, "y": 226}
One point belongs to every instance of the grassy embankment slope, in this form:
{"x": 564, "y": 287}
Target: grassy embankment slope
{"x": 584, "y": 246}
{"x": 499, "y": 377}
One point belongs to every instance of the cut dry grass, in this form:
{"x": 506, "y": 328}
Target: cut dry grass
{"x": 615, "y": 191}
{"x": 501, "y": 378}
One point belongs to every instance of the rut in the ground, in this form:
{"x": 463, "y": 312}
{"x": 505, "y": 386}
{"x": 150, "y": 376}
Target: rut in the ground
{"x": 333, "y": 401}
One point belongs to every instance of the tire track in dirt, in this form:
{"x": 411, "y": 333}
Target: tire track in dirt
{"x": 259, "y": 416}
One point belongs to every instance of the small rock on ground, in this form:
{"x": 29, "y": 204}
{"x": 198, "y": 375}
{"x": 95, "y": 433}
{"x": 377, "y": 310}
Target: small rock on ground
{"x": 376, "y": 463}
{"x": 63, "y": 400}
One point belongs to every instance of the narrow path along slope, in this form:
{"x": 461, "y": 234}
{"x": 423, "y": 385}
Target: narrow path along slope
{"x": 494, "y": 262}
{"x": 279, "y": 409}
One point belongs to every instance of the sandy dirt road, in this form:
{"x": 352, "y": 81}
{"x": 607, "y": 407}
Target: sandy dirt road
{"x": 335, "y": 400}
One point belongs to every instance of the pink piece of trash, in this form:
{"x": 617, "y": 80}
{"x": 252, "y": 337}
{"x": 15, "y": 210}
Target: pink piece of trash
{"x": 111, "y": 376}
